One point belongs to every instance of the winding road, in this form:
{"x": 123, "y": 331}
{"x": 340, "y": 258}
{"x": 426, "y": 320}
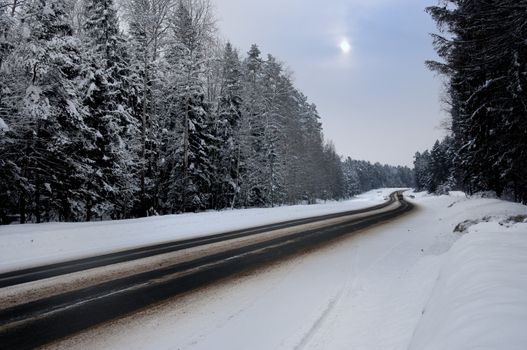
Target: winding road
{"x": 43, "y": 304}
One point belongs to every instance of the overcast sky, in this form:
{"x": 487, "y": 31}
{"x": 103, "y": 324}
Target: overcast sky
{"x": 377, "y": 100}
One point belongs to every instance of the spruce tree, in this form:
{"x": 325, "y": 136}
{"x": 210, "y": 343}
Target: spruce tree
{"x": 190, "y": 178}
{"x": 226, "y": 128}
{"x": 47, "y": 122}
{"x": 109, "y": 98}
{"x": 483, "y": 56}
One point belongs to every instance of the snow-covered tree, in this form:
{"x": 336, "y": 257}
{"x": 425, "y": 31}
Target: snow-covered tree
{"x": 251, "y": 191}
{"x": 110, "y": 97}
{"x": 483, "y": 53}
{"x": 190, "y": 175}
{"x": 226, "y": 129}
{"x": 361, "y": 176}
{"x": 148, "y": 24}
{"x": 161, "y": 119}
{"x": 46, "y": 122}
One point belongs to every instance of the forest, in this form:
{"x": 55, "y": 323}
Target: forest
{"x": 484, "y": 58}
{"x": 112, "y": 112}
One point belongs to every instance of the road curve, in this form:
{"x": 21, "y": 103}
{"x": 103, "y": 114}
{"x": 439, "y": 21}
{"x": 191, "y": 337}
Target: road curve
{"x": 37, "y": 322}
{"x": 41, "y": 272}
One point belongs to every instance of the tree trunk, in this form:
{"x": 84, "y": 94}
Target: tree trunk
{"x": 22, "y": 209}
{"x": 38, "y": 208}
{"x": 89, "y": 207}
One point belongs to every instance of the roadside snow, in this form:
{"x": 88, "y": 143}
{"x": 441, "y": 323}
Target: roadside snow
{"x": 480, "y": 299}
{"x": 411, "y": 284}
{"x": 29, "y": 245}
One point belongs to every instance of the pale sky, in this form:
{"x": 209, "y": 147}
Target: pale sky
{"x": 360, "y": 61}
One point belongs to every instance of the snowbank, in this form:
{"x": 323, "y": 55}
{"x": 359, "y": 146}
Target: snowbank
{"x": 480, "y": 297}
{"x": 23, "y": 246}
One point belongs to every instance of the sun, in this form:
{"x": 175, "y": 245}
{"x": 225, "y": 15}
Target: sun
{"x": 345, "y": 46}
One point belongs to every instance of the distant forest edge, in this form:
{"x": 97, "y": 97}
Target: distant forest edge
{"x": 97, "y": 123}
{"x": 484, "y": 51}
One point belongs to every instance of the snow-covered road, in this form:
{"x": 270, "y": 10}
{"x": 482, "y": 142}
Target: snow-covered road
{"x": 392, "y": 287}
{"x": 24, "y": 246}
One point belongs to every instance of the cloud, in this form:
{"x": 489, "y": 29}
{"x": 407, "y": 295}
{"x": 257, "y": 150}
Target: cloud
{"x": 378, "y": 90}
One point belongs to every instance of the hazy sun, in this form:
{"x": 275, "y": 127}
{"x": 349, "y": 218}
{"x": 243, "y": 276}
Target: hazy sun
{"x": 345, "y": 46}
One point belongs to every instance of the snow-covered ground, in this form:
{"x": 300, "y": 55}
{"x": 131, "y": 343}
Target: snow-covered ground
{"x": 411, "y": 284}
{"x": 30, "y": 245}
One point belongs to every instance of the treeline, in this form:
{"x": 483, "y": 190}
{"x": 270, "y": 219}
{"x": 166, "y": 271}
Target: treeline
{"x": 435, "y": 170}
{"x": 484, "y": 52}
{"x": 100, "y": 123}
{"x": 362, "y": 176}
